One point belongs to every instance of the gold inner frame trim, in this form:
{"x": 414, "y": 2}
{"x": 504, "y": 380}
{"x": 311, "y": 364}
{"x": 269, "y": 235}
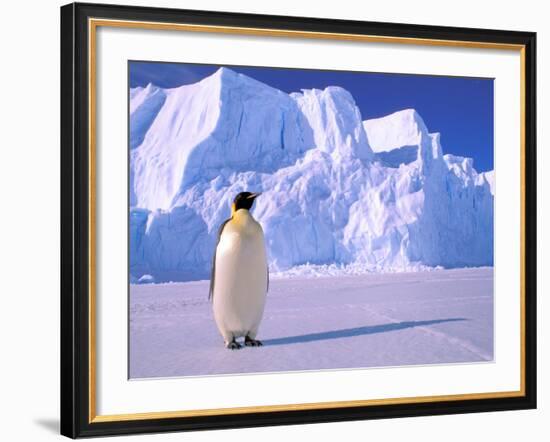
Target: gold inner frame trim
{"x": 298, "y": 34}
{"x": 305, "y": 406}
{"x": 92, "y": 28}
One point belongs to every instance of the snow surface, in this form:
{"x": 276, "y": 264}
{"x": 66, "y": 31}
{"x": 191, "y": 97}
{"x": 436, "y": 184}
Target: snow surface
{"x": 376, "y": 194}
{"x": 442, "y": 316}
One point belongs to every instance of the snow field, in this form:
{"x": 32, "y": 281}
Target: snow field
{"x": 330, "y": 322}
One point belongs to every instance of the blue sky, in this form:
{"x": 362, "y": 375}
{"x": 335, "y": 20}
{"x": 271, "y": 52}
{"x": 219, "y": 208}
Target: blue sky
{"x": 461, "y": 109}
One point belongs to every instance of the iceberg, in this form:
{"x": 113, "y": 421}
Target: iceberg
{"x": 377, "y": 195}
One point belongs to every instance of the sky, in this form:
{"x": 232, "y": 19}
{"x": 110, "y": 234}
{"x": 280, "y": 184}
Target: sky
{"x": 459, "y": 108}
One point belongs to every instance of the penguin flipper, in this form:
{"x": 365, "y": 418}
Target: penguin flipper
{"x": 213, "y": 273}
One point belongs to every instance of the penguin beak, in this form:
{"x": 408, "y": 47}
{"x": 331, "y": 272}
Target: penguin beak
{"x": 253, "y": 195}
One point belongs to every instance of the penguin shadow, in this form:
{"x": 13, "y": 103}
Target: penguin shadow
{"x": 356, "y": 331}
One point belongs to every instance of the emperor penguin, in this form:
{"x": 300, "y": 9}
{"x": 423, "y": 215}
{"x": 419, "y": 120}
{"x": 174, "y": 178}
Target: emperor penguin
{"x": 240, "y": 276}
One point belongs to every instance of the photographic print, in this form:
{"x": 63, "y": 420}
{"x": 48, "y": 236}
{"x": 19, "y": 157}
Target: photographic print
{"x": 299, "y": 219}
{"x": 295, "y": 216}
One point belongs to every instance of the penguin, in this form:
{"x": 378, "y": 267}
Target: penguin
{"x": 240, "y": 276}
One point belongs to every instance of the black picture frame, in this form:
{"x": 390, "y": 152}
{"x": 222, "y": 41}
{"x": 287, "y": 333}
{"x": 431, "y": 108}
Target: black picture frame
{"x": 76, "y": 249}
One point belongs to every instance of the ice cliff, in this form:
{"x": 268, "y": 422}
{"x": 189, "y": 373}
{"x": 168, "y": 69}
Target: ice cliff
{"x": 378, "y": 194}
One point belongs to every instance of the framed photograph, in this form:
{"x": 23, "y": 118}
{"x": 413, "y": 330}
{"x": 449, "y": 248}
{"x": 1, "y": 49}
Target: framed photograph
{"x": 273, "y": 220}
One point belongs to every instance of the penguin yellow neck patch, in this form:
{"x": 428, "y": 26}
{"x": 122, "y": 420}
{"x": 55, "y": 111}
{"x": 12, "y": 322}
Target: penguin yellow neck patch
{"x": 241, "y": 217}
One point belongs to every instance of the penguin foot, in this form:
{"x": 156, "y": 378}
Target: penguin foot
{"x": 252, "y": 342}
{"x": 233, "y": 345}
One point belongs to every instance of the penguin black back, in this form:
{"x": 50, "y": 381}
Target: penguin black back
{"x": 213, "y": 273}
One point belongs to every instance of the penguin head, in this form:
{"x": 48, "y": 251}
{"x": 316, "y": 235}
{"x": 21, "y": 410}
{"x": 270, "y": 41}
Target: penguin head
{"x": 244, "y": 200}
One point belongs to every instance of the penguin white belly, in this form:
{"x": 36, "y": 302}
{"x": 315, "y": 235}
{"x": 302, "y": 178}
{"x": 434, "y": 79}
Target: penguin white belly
{"x": 240, "y": 278}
